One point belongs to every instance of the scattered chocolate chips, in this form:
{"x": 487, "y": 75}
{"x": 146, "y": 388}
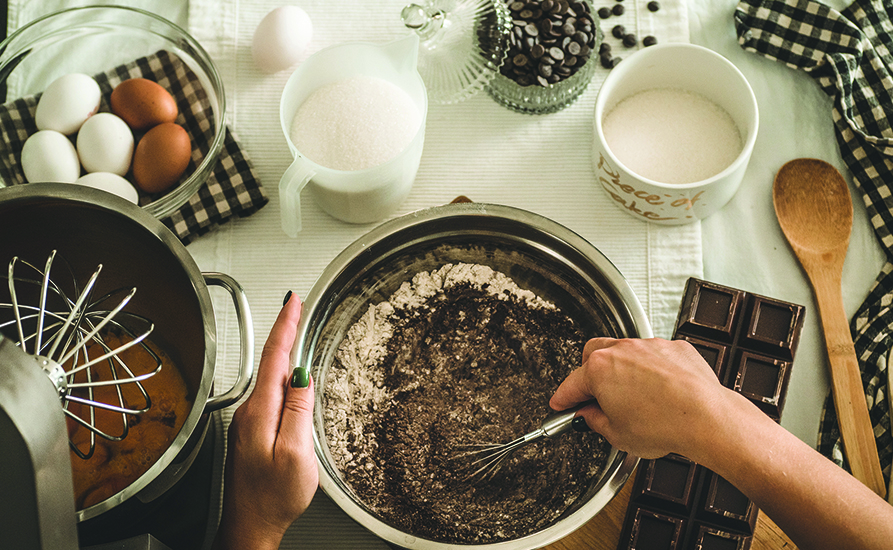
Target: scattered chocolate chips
{"x": 609, "y": 62}
{"x": 628, "y": 40}
{"x": 550, "y": 40}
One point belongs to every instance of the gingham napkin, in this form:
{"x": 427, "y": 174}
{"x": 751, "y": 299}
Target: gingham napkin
{"x": 849, "y": 54}
{"x": 233, "y": 187}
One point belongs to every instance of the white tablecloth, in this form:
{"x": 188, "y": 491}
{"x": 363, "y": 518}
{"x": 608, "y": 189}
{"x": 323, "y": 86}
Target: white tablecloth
{"x": 542, "y": 164}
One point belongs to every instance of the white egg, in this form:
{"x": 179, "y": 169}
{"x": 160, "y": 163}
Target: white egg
{"x": 105, "y": 144}
{"x": 49, "y": 156}
{"x": 281, "y": 38}
{"x": 67, "y": 102}
{"x": 112, "y": 183}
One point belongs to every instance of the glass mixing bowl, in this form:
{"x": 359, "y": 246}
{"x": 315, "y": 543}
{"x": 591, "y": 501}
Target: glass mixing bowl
{"x": 116, "y": 42}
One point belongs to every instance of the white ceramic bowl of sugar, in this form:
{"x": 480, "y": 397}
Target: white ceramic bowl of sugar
{"x": 674, "y": 130}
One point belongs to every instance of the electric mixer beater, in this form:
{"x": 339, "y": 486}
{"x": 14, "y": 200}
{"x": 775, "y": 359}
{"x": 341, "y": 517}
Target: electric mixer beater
{"x": 60, "y": 323}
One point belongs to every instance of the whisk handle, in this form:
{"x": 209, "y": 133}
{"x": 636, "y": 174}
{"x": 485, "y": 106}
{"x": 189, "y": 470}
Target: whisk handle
{"x": 561, "y": 422}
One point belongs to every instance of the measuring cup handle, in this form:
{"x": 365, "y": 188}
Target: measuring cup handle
{"x": 290, "y": 186}
{"x": 246, "y": 333}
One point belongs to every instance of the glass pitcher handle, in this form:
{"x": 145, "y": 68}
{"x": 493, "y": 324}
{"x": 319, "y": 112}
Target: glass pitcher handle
{"x": 292, "y": 183}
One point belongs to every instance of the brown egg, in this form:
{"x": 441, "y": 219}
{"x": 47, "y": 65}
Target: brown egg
{"x": 161, "y": 157}
{"x": 143, "y": 103}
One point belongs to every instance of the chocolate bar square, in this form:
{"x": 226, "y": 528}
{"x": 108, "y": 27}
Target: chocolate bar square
{"x": 712, "y": 352}
{"x": 723, "y": 504}
{"x": 773, "y": 327}
{"x": 710, "y": 311}
{"x": 710, "y": 538}
{"x": 667, "y": 482}
{"x": 651, "y": 530}
{"x": 763, "y": 380}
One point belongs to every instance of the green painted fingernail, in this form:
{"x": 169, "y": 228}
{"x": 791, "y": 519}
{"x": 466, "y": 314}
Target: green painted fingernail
{"x": 300, "y": 377}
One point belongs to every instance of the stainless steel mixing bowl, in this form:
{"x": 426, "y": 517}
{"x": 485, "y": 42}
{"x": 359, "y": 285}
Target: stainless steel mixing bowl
{"x": 537, "y": 253}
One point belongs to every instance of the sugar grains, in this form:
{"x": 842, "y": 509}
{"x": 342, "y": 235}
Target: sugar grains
{"x": 672, "y": 136}
{"x": 355, "y": 123}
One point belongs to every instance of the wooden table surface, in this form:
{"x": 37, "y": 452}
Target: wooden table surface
{"x": 603, "y": 531}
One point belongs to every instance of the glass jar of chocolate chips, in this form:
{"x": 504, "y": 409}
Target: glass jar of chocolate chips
{"x": 552, "y": 55}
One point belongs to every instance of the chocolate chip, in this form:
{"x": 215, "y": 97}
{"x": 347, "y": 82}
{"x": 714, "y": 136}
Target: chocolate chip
{"x": 604, "y": 47}
{"x": 630, "y": 40}
{"x": 618, "y": 9}
{"x": 531, "y": 29}
{"x": 605, "y": 60}
{"x": 618, "y": 31}
{"x": 537, "y": 51}
{"x": 556, "y": 53}
{"x": 517, "y": 6}
{"x": 520, "y": 60}
{"x": 654, "y": 5}
{"x": 649, "y": 41}
{"x": 604, "y": 13}
{"x": 574, "y": 48}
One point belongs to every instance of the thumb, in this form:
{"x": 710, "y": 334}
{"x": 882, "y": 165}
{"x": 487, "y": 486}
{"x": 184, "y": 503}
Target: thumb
{"x": 297, "y": 412}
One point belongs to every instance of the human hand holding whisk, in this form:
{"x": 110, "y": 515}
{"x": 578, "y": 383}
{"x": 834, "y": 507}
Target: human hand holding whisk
{"x": 656, "y": 397}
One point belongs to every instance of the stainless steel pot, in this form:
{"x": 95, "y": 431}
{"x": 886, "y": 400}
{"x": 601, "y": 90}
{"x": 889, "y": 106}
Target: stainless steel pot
{"x": 89, "y": 227}
{"x": 537, "y": 253}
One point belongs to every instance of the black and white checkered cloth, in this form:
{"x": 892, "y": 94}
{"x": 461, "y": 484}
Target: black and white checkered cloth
{"x": 231, "y": 189}
{"x": 849, "y": 54}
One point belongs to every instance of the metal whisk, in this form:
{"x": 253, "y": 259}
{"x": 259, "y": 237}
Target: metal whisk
{"x": 488, "y": 457}
{"x": 59, "y": 330}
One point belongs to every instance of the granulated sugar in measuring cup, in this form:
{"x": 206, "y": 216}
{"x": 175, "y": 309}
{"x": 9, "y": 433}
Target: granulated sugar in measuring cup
{"x": 354, "y": 119}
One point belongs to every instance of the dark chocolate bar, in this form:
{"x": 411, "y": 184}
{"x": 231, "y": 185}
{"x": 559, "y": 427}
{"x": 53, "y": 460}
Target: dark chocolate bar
{"x": 749, "y": 341}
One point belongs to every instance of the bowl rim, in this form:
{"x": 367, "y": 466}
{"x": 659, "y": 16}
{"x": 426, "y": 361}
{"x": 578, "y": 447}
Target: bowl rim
{"x": 621, "y": 464}
{"x": 172, "y": 201}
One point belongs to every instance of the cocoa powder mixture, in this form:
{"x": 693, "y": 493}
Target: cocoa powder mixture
{"x": 458, "y": 356}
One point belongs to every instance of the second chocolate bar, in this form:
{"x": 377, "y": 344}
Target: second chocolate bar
{"x": 749, "y": 341}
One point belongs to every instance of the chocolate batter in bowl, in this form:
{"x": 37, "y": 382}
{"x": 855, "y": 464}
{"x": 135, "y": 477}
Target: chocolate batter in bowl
{"x": 538, "y": 255}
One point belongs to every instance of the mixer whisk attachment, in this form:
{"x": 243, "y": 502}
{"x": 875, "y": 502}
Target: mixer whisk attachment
{"x": 81, "y": 342}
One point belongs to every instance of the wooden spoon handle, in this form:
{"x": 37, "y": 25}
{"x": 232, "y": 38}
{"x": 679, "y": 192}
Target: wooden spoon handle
{"x": 849, "y": 395}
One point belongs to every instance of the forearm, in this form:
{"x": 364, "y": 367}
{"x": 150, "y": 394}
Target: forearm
{"x": 814, "y": 501}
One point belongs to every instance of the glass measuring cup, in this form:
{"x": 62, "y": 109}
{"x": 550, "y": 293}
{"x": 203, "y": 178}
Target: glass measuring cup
{"x": 354, "y": 196}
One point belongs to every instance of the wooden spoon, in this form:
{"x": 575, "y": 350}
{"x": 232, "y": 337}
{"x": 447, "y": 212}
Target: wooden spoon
{"x": 813, "y": 207}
